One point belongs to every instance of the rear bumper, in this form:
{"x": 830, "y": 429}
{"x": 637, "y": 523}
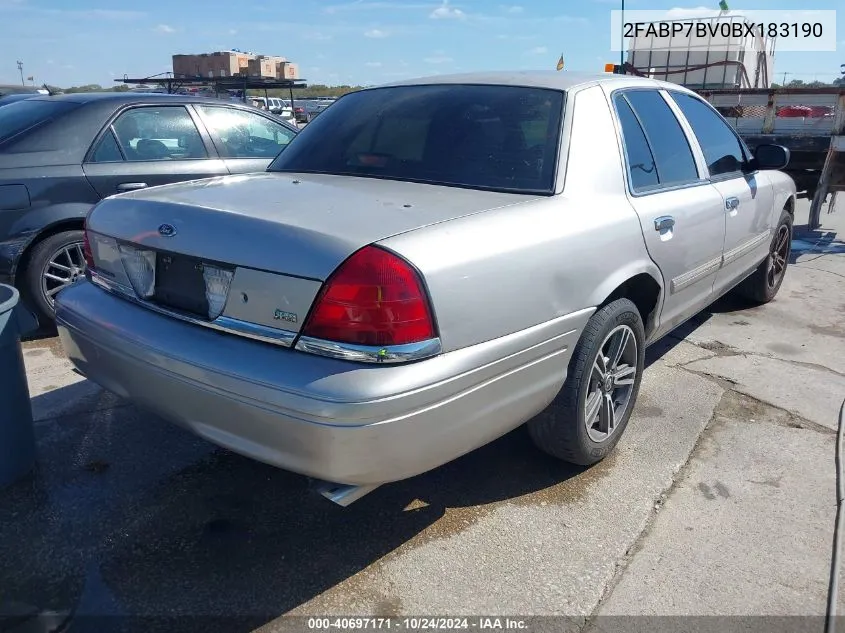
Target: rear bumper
{"x": 334, "y": 420}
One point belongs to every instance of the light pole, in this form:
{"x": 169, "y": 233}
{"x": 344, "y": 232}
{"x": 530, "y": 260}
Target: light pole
{"x": 20, "y": 68}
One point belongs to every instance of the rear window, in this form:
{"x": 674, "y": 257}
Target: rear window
{"x": 22, "y": 115}
{"x": 502, "y": 138}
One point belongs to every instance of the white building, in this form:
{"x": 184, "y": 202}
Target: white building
{"x": 705, "y": 52}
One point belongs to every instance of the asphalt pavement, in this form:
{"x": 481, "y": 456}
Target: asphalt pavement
{"x": 718, "y": 501}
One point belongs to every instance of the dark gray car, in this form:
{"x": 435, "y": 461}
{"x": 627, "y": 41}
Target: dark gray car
{"x": 60, "y": 155}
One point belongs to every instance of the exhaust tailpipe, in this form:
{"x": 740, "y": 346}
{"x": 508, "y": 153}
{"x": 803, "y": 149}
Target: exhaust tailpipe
{"x": 343, "y": 494}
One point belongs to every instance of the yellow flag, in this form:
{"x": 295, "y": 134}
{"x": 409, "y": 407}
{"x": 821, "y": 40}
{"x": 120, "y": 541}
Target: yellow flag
{"x": 560, "y": 63}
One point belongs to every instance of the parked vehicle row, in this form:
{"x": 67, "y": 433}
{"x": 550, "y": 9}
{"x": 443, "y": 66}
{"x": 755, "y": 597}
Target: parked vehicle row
{"x": 60, "y": 155}
{"x": 277, "y": 106}
{"x": 425, "y": 267}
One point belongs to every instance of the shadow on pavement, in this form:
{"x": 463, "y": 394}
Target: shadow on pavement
{"x": 129, "y": 516}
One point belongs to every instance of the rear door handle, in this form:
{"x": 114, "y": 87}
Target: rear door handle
{"x": 731, "y": 203}
{"x": 664, "y": 223}
{"x": 131, "y": 186}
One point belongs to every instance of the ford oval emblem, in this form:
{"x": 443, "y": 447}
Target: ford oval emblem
{"x": 167, "y": 230}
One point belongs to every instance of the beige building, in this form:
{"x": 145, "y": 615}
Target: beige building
{"x": 233, "y": 64}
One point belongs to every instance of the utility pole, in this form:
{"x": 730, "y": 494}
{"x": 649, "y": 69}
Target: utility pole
{"x": 784, "y": 78}
{"x": 20, "y": 68}
{"x": 622, "y": 38}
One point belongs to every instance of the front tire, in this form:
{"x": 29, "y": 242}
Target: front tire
{"x": 589, "y": 415}
{"x": 763, "y": 284}
{"x": 56, "y": 262}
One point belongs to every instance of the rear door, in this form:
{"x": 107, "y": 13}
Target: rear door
{"x": 680, "y": 213}
{"x": 247, "y": 141}
{"x": 150, "y": 145}
{"x": 747, "y": 196}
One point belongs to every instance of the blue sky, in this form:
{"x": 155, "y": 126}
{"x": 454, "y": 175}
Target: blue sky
{"x": 71, "y": 42}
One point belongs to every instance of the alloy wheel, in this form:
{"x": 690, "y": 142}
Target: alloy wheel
{"x": 65, "y": 267}
{"x": 611, "y": 383}
{"x": 778, "y": 257}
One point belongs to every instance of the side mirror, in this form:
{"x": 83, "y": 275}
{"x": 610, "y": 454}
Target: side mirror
{"x": 770, "y": 157}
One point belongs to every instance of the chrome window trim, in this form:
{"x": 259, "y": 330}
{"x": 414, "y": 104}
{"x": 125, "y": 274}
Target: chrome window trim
{"x": 370, "y": 354}
{"x": 283, "y": 338}
{"x": 658, "y": 188}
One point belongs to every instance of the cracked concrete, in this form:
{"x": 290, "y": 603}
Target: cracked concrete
{"x": 747, "y": 510}
{"x": 144, "y": 509}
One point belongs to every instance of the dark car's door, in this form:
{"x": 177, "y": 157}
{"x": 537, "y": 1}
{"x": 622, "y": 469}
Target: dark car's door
{"x": 151, "y": 145}
{"x": 247, "y": 141}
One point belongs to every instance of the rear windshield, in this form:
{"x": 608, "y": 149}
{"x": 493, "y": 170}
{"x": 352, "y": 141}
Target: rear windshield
{"x": 501, "y": 138}
{"x": 22, "y": 115}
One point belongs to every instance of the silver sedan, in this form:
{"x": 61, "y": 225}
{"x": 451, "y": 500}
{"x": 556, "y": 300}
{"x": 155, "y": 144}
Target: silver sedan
{"x": 427, "y": 266}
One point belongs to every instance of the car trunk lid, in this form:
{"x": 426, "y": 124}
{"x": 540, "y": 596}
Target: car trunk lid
{"x": 256, "y": 248}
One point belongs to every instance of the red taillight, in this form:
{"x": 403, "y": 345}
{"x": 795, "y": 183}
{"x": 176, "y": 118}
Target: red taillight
{"x": 374, "y": 298}
{"x": 86, "y": 251}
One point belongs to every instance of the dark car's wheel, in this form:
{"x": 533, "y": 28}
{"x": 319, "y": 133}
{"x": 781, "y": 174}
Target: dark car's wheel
{"x": 764, "y": 283}
{"x": 590, "y": 413}
{"x": 55, "y": 263}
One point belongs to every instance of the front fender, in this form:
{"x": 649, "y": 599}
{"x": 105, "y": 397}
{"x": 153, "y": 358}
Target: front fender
{"x": 783, "y": 189}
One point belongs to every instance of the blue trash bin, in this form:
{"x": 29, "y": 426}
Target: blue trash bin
{"x": 17, "y": 435}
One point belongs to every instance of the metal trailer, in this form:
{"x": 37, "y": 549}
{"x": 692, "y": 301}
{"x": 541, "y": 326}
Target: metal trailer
{"x": 718, "y": 61}
{"x": 810, "y": 122}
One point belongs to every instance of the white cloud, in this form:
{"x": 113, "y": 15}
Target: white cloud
{"x": 233, "y": 31}
{"x": 537, "y": 50}
{"x": 693, "y": 12}
{"x": 513, "y": 9}
{"x": 375, "y": 34}
{"x": 439, "y": 57}
{"x": 105, "y": 14}
{"x": 359, "y": 5}
{"x": 164, "y": 29}
{"x": 373, "y": 64}
{"x": 447, "y": 12}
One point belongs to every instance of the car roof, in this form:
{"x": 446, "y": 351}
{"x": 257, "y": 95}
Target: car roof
{"x": 124, "y": 97}
{"x": 556, "y": 80}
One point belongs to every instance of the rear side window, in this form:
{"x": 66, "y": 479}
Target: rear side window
{"x": 671, "y": 152}
{"x": 23, "y": 115}
{"x": 107, "y": 150}
{"x": 640, "y": 159}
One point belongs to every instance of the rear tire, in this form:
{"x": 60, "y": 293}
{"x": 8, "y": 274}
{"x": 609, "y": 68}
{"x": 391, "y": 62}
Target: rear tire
{"x": 589, "y": 415}
{"x": 60, "y": 256}
{"x": 763, "y": 284}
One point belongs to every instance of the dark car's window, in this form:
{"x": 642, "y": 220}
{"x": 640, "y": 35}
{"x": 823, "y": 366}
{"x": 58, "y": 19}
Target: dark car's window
{"x": 22, "y": 115}
{"x": 637, "y": 152}
{"x": 159, "y": 133}
{"x": 489, "y": 137}
{"x": 672, "y": 153}
{"x": 721, "y": 148}
{"x": 107, "y": 150}
{"x": 245, "y": 134}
